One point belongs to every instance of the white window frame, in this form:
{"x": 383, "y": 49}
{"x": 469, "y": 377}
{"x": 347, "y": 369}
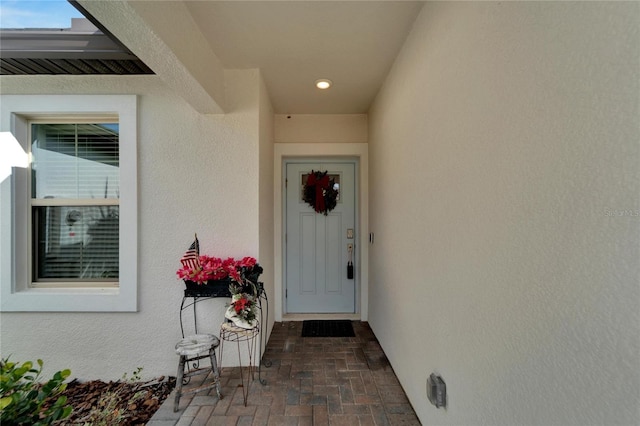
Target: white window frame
{"x": 17, "y": 294}
{"x": 65, "y": 202}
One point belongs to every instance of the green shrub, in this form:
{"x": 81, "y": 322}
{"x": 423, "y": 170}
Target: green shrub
{"x": 26, "y": 401}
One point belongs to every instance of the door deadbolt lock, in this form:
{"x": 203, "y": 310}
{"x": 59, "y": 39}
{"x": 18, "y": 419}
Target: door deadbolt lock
{"x": 350, "y": 233}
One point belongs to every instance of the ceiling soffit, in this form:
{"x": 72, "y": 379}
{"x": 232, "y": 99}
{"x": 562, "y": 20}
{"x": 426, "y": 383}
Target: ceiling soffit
{"x": 294, "y": 43}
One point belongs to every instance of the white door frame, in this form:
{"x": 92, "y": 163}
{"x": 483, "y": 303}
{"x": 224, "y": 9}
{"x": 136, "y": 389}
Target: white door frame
{"x": 357, "y": 151}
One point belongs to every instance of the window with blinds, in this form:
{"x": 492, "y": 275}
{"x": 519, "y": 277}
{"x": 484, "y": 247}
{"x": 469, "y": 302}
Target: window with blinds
{"x": 75, "y": 202}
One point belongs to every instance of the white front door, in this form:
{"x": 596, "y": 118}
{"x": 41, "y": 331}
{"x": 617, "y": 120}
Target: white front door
{"x": 318, "y": 245}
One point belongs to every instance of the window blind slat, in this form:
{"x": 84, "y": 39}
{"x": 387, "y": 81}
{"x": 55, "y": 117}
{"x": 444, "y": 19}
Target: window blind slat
{"x": 75, "y": 160}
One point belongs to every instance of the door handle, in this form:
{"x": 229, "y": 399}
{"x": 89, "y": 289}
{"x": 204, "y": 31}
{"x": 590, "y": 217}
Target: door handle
{"x": 350, "y": 262}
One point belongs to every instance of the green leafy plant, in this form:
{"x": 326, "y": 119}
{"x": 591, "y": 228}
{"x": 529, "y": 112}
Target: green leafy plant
{"x": 135, "y": 376}
{"x": 25, "y": 400}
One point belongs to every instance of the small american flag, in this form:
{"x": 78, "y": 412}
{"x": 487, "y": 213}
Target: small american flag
{"x": 191, "y": 259}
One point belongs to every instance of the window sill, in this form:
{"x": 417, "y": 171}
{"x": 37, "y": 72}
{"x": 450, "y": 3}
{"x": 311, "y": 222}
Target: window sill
{"x": 69, "y": 300}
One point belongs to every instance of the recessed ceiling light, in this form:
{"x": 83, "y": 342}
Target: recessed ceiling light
{"x": 323, "y": 83}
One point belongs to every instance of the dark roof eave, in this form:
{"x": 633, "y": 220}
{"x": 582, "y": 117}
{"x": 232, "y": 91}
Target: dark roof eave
{"x": 59, "y": 45}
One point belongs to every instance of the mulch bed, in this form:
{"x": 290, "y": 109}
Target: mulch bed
{"x": 121, "y": 402}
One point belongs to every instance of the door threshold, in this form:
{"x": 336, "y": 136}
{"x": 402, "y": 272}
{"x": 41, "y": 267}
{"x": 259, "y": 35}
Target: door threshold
{"x": 338, "y": 316}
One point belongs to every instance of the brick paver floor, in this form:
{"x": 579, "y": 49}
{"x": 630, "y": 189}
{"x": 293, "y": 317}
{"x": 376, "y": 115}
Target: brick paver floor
{"x": 311, "y": 381}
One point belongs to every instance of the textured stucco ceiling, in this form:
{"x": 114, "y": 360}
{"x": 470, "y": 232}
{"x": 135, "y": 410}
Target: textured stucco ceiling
{"x": 294, "y": 43}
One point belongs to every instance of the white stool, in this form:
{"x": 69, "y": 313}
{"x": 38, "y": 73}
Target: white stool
{"x": 195, "y": 348}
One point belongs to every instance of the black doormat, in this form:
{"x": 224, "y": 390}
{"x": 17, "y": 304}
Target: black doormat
{"x": 327, "y": 328}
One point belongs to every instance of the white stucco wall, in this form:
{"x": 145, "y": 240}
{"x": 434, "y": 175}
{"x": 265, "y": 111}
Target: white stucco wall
{"x": 320, "y": 128}
{"x": 196, "y": 173}
{"x": 504, "y": 198}
{"x": 266, "y": 212}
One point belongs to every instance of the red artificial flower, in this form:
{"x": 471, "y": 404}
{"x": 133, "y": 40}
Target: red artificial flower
{"x": 247, "y": 262}
{"x": 235, "y": 275}
{"x": 215, "y": 268}
{"x": 240, "y": 304}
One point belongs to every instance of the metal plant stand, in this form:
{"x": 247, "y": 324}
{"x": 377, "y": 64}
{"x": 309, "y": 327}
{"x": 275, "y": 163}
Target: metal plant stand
{"x": 232, "y": 333}
{"x": 193, "y": 297}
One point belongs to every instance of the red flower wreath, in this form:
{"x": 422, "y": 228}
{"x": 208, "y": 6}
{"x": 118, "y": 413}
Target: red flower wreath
{"x": 319, "y": 192}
